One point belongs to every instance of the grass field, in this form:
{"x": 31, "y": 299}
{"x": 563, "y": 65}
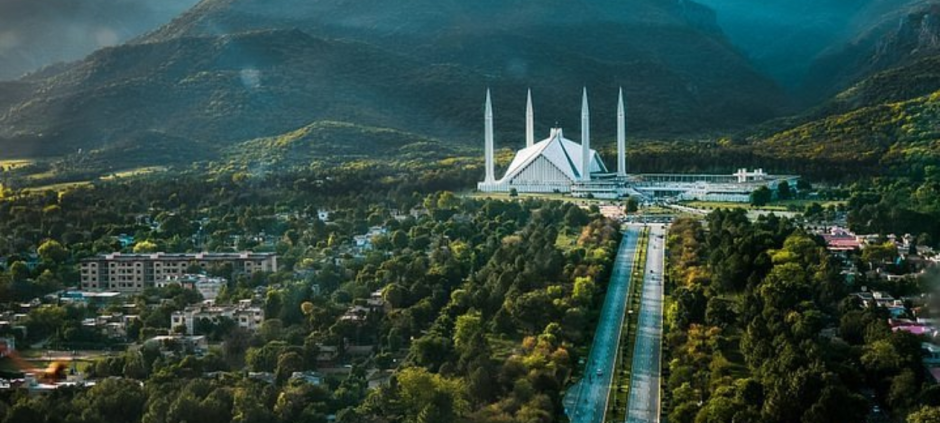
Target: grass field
{"x": 65, "y": 186}
{"x": 558, "y": 197}
{"x": 14, "y": 163}
{"x": 134, "y": 172}
{"x": 788, "y": 205}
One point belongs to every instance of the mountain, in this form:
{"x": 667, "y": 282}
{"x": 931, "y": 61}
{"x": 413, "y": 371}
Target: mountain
{"x": 894, "y": 136}
{"x": 784, "y": 37}
{"x": 888, "y": 35}
{"x": 36, "y": 33}
{"x": 335, "y": 140}
{"x": 233, "y": 70}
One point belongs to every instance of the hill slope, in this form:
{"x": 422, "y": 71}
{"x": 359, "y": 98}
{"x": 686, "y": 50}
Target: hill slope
{"x": 904, "y": 136}
{"x": 232, "y": 70}
{"x": 889, "y": 35}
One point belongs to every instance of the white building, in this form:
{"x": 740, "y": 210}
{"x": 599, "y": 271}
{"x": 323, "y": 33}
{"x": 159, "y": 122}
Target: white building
{"x": 132, "y": 273}
{"x": 208, "y": 287}
{"x": 554, "y": 164}
{"x": 559, "y": 165}
{"x": 245, "y": 315}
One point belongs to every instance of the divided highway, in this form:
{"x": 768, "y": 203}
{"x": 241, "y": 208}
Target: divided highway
{"x": 644, "y": 403}
{"x": 586, "y": 401}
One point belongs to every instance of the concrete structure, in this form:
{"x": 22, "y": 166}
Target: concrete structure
{"x": 7, "y": 346}
{"x": 208, "y": 287}
{"x": 586, "y": 400}
{"x": 559, "y": 165}
{"x": 244, "y": 314}
{"x": 551, "y": 165}
{"x": 131, "y": 273}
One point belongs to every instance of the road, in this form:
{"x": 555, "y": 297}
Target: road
{"x": 586, "y": 401}
{"x": 644, "y": 402}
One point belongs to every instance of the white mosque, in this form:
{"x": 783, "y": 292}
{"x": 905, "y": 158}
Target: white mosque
{"x": 555, "y": 164}
{"x": 559, "y": 165}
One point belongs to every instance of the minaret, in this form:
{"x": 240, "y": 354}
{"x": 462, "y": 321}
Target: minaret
{"x": 488, "y": 146}
{"x": 529, "y": 121}
{"x": 585, "y": 138}
{"x": 621, "y": 138}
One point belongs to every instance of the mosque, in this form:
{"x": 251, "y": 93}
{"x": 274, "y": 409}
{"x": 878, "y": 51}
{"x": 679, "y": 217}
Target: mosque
{"x": 560, "y": 165}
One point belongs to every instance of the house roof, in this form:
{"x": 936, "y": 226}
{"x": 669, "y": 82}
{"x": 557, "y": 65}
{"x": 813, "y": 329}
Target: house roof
{"x": 558, "y": 150}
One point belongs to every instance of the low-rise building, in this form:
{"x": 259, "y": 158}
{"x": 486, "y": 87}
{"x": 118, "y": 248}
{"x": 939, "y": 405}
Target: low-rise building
{"x": 7, "y": 346}
{"x": 135, "y": 272}
{"x": 208, "y": 287}
{"x": 244, "y": 314}
{"x": 179, "y": 345}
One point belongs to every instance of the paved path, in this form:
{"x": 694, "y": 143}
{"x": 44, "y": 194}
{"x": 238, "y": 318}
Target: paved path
{"x": 586, "y": 401}
{"x": 644, "y": 402}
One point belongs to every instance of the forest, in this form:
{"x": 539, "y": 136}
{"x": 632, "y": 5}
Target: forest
{"x": 488, "y": 303}
{"x": 760, "y": 329}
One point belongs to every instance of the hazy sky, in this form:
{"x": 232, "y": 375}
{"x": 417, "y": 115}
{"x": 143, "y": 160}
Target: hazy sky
{"x": 34, "y": 33}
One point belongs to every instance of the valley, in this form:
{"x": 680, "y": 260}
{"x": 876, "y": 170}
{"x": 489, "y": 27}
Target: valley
{"x": 346, "y": 211}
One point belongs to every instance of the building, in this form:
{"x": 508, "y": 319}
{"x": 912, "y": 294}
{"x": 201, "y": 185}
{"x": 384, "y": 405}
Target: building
{"x": 97, "y": 298}
{"x": 174, "y": 345}
{"x": 208, "y": 287}
{"x": 559, "y": 165}
{"x": 130, "y": 273}
{"x": 7, "y": 346}
{"x": 244, "y": 314}
{"x": 554, "y": 164}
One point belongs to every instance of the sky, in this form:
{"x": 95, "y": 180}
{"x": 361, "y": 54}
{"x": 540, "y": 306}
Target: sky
{"x": 35, "y": 33}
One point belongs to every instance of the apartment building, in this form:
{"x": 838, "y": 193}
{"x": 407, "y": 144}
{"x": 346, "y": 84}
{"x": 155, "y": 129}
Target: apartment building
{"x": 129, "y": 273}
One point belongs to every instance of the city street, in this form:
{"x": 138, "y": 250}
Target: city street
{"x": 644, "y": 402}
{"x": 586, "y": 401}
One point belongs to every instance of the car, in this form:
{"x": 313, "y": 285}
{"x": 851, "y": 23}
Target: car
{"x": 600, "y": 372}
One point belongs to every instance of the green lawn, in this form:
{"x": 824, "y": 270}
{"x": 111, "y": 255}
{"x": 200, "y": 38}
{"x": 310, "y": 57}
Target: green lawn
{"x": 134, "y": 172}
{"x": 65, "y": 186}
{"x": 787, "y": 205}
{"x": 566, "y": 242}
{"x": 11, "y": 164}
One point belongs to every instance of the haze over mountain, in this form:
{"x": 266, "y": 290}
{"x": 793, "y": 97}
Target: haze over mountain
{"x": 36, "y": 33}
{"x": 232, "y": 70}
{"x": 828, "y": 44}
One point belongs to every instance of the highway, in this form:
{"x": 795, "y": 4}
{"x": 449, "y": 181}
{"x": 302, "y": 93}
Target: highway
{"x": 644, "y": 402}
{"x": 586, "y": 401}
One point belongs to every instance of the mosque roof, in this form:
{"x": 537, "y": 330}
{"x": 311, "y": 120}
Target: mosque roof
{"x": 560, "y": 151}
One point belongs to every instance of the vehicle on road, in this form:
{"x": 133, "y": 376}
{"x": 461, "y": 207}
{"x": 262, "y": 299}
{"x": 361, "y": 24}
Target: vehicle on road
{"x": 600, "y": 372}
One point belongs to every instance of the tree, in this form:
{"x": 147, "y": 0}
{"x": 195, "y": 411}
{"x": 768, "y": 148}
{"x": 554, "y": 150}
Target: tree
{"x": 287, "y": 364}
{"x": 19, "y": 271}
{"x": 428, "y": 397}
{"x": 783, "y": 191}
{"x": 52, "y": 252}
{"x": 146, "y": 246}
{"x": 114, "y": 400}
{"x": 812, "y": 210}
{"x": 468, "y": 327}
{"x": 631, "y": 205}
{"x": 761, "y": 196}
{"x": 925, "y": 415}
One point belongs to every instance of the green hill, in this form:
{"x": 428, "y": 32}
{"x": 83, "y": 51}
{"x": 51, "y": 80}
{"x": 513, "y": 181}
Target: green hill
{"x": 335, "y": 141}
{"x": 902, "y": 136}
{"x": 234, "y": 70}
